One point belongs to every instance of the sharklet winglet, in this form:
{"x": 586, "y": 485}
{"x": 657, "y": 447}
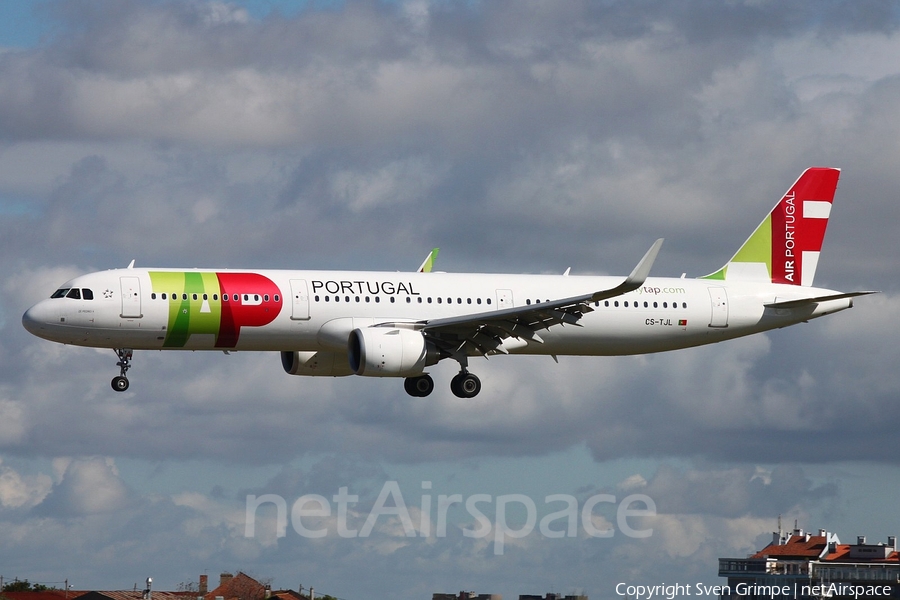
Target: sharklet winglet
{"x": 638, "y": 275}
{"x": 428, "y": 264}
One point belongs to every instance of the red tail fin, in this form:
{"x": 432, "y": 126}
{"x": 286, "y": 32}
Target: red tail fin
{"x": 785, "y": 247}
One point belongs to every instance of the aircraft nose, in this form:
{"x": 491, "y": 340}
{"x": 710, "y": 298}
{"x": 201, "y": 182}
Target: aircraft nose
{"x": 36, "y": 318}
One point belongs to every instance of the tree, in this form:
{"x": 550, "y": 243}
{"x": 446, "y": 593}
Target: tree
{"x": 24, "y": 586}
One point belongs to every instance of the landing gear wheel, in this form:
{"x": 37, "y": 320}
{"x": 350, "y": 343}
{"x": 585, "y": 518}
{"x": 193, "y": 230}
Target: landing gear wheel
{"x": 120, "y": 383}
{"x": 420, "y": 386}
{"x": 465, "y": 385}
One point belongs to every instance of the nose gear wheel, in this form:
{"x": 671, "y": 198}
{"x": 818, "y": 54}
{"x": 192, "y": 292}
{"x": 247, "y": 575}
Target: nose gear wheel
{"x": 120, "y": 383}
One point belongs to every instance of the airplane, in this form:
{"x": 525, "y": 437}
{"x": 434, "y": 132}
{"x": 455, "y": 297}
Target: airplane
{"x": 392, "y": 324}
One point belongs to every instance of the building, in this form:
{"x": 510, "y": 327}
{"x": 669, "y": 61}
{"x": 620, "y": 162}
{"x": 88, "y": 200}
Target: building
{"x": 231, "y": 587}
{"x": 466, "y": 596}
{"x": 236, "y": 587}
{"x": 552, "y": 596}
{"x": 804, "y": 566}
{"x": 42, "y": 595}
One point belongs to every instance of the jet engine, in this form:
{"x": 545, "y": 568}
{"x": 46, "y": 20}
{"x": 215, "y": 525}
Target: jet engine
{"x": 383, "y": 352}
{"x": 323, "y": 364}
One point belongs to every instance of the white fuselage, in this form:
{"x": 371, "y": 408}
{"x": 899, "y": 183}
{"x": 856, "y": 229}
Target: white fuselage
{"x": 271, "y": 310}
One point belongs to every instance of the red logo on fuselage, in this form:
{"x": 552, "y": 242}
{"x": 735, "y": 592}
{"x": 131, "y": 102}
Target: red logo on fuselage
{"x": 249, "y": 300}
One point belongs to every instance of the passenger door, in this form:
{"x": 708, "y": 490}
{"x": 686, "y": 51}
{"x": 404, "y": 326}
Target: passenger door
{"x": 299, "y": 300}
{"x": 131, "y": 297}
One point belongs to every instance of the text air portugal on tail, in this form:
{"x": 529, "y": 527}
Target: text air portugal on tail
{"x": 785, "y": 247}
{"x": 392, "y": 324}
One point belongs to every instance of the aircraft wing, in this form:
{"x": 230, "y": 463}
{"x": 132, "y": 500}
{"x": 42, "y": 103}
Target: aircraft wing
{"x": 486, "y": 331}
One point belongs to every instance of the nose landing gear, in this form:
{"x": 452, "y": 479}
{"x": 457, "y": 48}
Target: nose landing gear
{"x": 120, "y": 383}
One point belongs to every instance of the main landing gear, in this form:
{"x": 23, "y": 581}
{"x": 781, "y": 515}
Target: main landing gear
{"x": 419, "y": 386}
{"x": 120, "y": 383}
{"x": 463, "y": 385}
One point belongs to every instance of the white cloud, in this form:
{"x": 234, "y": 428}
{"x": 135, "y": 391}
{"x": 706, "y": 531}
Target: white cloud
{"x": 13, "y": 429}
{"x": 88, "y": 486}
{"x": 18, "y": 491}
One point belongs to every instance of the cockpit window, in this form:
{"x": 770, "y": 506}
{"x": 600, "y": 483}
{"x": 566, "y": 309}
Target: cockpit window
{"x": 87, "y": 294}
{"x": 74, "y": 293}
{"x": 60, "y": 293}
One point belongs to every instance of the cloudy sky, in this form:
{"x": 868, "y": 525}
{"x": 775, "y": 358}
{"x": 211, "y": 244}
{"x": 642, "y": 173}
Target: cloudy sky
{"x": 516, "y": 136}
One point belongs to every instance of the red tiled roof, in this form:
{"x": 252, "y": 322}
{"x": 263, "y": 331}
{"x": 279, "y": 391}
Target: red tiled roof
{"x": 796, "y": 546}
{"x": 114, "y": 595}
{"x": 241, "y": 586}
{"x": 135, "y": 595}
{"x": 288, "y": 595}
{"x": 44, "y": 595}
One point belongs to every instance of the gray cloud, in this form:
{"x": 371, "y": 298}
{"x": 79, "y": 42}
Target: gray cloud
{"x": 516, "y": 136}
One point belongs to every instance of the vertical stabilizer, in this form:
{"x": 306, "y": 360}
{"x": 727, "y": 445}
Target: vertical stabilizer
{"x": 785, "y": 247}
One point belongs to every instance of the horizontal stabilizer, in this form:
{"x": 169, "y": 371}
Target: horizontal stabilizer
{"x": 809, "y": 301}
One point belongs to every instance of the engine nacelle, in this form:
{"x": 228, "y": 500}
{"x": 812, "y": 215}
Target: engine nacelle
{"x": 382, "y": 352}
{"x": 322, "y": 364}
